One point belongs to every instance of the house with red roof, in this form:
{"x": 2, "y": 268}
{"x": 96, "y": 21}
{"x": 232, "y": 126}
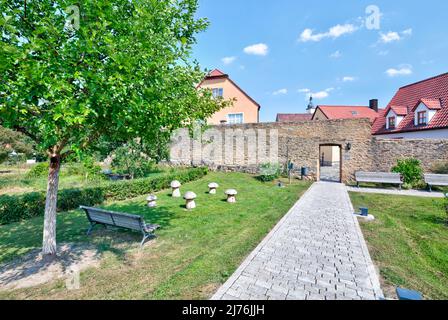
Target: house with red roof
{"x": 244, "y": 110}
{"x": 325, "y": 112}
{"x": 417, "y": 111}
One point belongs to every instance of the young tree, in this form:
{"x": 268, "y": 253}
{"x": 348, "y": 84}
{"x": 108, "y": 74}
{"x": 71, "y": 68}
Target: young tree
{"x": 71, "y": 74}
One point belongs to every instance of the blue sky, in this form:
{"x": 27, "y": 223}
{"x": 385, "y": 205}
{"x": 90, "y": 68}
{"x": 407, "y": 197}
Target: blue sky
{"x": 281, "y": 51}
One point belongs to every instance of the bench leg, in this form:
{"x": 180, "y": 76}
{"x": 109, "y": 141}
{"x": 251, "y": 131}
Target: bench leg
{"x": 146, "y": 236}
{"x": 429, "y": 188}
{"x": 91, "y": 228}
{"x": 92, "y": 225}
{"x": 357, "y": 184}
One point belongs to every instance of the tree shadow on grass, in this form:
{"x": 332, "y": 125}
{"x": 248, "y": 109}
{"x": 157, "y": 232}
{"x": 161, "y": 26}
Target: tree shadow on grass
{"x": 34, "y": 269}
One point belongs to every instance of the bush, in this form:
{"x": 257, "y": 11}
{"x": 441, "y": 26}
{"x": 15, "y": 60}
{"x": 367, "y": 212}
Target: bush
{"x": 440, "y": 168}
{"x": 130, "y": 159}
{"x": 38, "y": 171}
{"x": 29, "y": 205}
{"x": 411, "y": 171}
{"x": 270, "y": 172}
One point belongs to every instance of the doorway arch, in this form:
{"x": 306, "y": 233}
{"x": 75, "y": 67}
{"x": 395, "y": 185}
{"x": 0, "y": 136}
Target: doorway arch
{"x": 330, "y": 162}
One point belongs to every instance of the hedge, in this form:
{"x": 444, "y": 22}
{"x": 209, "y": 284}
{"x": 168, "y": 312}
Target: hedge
{"x": 29, "y": 205}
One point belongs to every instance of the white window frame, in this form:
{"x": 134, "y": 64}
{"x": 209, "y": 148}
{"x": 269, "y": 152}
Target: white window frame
{"x": 235, "y": 114}
{"x": 218, "y": 91}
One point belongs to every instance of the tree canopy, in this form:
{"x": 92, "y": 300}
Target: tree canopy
{"x": 122, "y": 70}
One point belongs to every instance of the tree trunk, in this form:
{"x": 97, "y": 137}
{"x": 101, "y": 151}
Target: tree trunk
{"x": 49, "y": 239}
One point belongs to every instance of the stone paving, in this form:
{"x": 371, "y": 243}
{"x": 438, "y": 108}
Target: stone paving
{"x": 316, "y": 252}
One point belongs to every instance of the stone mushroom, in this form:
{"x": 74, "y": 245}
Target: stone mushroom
{"x": 175, "y": 185}
{"x": 189, "y": 197}
{"x": 152, "y": 200}
{"x": 231, "y": 195}
{"x": 212, "y": 187}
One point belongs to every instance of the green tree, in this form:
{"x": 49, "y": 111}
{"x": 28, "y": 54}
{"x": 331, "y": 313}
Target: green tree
{"x": 14, "y": 141}
{"x": 121, "y": 69}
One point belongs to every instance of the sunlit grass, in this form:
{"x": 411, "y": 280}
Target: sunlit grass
{"x": 408, "y": 241}
{"x": 194, "y": 253}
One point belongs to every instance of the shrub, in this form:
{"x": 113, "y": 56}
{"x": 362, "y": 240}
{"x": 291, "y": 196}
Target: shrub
{"x": 440, "y": 168}
{"x": 130, "y": 159}
{"x": 38, "y": 171}
{"x": 411, "y": 171}
{"x": 270, "y": 172}
{"x": 29, "y": 205}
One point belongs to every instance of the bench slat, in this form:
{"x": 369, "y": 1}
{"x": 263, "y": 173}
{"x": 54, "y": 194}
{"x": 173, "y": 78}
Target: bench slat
{"x": 437, "y": 179}
{"x": 378, "y": 177}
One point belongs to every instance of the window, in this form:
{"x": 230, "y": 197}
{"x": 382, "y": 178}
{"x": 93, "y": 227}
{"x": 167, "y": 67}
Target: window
{"x": 235, "y": 118}
{"x": 391, "y": 122}
{"x": 422, "y": 118}
{"x": 218, "y": 92}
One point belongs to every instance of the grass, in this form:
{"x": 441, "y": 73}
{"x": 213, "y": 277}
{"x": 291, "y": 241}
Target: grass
{"x": 194, "y": 253}
{"x": 17, "y": 181}
{"x": 408, "y": 242}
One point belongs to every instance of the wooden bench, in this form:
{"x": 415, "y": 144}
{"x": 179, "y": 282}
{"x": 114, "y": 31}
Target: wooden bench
{"x": 440, "y": 180}
{"x": 121, "y": 220}
{"x": 378, "y": 177}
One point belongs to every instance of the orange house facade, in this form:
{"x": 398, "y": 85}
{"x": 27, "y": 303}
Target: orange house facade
{"x": 244, "y": 109}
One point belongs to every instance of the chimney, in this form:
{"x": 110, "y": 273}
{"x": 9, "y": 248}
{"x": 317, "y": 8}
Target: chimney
{"x": 373, "y": 104}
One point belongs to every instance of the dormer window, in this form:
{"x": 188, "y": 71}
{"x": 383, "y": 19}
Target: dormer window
{"x": 422, "y": 118}
{"x": 391, "y": 123}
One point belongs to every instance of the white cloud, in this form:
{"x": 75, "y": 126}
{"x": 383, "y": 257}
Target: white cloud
{"x": 337, "y": 54}
{"x": 334, "y": 32}
{"x": 407, "y": 32}
{"x": 383, "y": 53}
{"x": 392, "y": 36}
{"x": 401, "y": 71}
{"x": 320, "y": 95}
{"x": 389, "y": 37}
{"x": 280, "y": 92}
{"x": 259, "y": 49}
{"x": 317, "y": 95}
{"x": 348, "y": 79}
{"x": 228, "y": 60}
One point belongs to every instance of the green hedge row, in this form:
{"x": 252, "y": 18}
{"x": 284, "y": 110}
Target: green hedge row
{"x": 21, "y": 207}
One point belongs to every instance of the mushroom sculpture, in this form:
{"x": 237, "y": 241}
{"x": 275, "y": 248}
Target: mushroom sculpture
{"x": 231, "y": 195}
{"x": 190, "y": 197}
{"x": 212, "y": 187}
{"x": 152, "y": 200}
{"x": 175, "y": 185}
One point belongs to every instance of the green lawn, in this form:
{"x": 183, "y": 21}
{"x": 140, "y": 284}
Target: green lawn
{"x": 194, "y": 253}
{"x": 408, "y": 241}
{"x": 17, "y": 181}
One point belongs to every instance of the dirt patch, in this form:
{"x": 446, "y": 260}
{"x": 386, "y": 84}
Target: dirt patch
{"x": 15, "y": 190}
{"x": 33, "y": 269}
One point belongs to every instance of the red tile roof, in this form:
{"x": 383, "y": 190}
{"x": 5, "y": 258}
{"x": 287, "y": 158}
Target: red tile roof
{"x": 433, "y": 104}
{"x": 293, "y": 117}
{"x": 348, "y": 112}
{"x": 219, "y": 74}
{"x": 216, "y": 73}
{"x": 400, "y": 110}
{"x": 428, "y": 91}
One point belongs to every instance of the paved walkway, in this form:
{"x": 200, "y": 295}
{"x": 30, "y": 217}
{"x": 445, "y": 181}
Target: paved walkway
{"x": 315, "y": 252}
{"x": 412, "y": 193}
